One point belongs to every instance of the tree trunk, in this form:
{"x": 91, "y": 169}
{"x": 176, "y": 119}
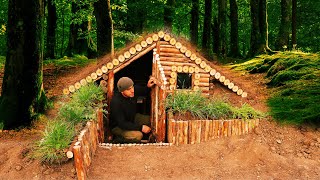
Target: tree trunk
{"x": 169, "y": 8}
{"x": 294, "y": 24}
{"x": 22, "y": 83}
{"x": 77, "y": 44}
{"x": 51, "y": 30}
{"x": 283, "y": 37}
{"x": 194, "y": 22}
{"x": 259, "y": 28}
{"x": 207, "y": 26}
{"x": 215, "y": 34}
{"x": 102, "y": 12}
{"x": 222, "y": 14}
{"x": 234, "y": 34}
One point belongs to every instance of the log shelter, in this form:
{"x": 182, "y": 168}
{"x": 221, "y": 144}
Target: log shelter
{"x": 170, "y": 61}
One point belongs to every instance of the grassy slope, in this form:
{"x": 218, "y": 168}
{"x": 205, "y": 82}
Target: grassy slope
{"x": 295, "y": 80}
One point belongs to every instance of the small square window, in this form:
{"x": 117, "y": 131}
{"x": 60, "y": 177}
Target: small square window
{"x": 184, "y": 81}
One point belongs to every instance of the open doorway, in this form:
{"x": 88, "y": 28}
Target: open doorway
{"x": 139, "y": 71}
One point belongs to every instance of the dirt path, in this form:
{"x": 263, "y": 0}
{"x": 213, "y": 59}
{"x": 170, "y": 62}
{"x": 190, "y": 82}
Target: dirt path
{"x": 271, "y": 152}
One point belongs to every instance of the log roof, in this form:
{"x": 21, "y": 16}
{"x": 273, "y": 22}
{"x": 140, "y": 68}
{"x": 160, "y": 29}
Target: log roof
{"x": 134, "y": 51}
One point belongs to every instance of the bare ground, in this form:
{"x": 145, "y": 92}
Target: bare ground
{"x": 273, "y": 151}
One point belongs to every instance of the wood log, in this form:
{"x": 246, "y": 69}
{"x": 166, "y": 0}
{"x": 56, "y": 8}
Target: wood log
{"x": 173, "y": 55}
{"x": 161, "y": 34}
{"x": 149, "y": 40}
{"x": 167, "y": 63}
{"x": 172, "y": 87}
{"x": 115, "y": 62}
{"x": 83, "y": 82}
{"x": 196, "y": 82}
{"x": 170, "y": 49}
{"x": 188, "y": 53}
{"x": 155, "y": 37}
{"x": 162, "y": 116}
{"x": 163, "y": 43}
{"x": 203, "y": 129}
{"x": 144, "y": 44}
{"x": 105, "y": 77}
{"x": 103, "y": 83}
{"x": 198, "y": 129}
{"x": 196, "y": 88}
{"x": 138, "y": 47}
{"x": 216, "y": 131}
{"x": 235, "y": 88}
{"x": 167, "y": 37}
{"x": 210, "y": 129}
{"x": 72, "y": 88}
{"x": 77, "y": 85}
{"x": 226, "y": 82}
{"x": 239, "y": 92}
{"x": 172, "y": 81}
{"x": 121, "y": 58}
{"x": 222, "y": 78}
{"x": 207, "y": 68}
{"x": 180, "y": 132}
{"x": 178, "y": 45}
{"x": 198, "y": 60}
{"x": 132, "y": 50}
{"x": 203, "y": 64}
{"x": 173, "y": 75}
{"x": 230, "y": 85}
{"x": 196, "y": 76}
{"x": 217, "y": 75}
{"x": 100, "y": 127}
{"x": 173, "y": 68}
{"x": 104, "y": 69}
{"x": 191, "y": 134}
{"x": 183, "y": 49}
{"x": 203, "y": 80}
{"x": 173, "y": 41}
{"x": 191, "y": 69}
{"x": 244, "y": 94}
{"x": 212, "y": 72}
{"x": 203, "y": 84}
{"x": 185, "y": 132}
{"x": 211, "y": 86}
{"x": 110, "y": 65}
{"x": 206, "y": 130}
{"x": 185, "y": 69}
{"x": 229, "y": 128}
{"x": 174, "y": 59}
{"x": 78, "y": 163}
{"x": 179, "y": 69}
{"x": 89, "y": 79}
{"x": 193, "y": 57}
{"x": 127, "y": 54}
{"x": 94, "y": 76}
{"x": 99, "y": 72}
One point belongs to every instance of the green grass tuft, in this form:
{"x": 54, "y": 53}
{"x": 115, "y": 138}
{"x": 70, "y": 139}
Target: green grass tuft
{"x": 203, "y": 108}
{"x": 2, "y": 61}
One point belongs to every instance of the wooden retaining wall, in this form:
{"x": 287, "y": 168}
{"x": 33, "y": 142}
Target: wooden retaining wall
{"x": 196, "y": 131}
{"x": 86, "y": 145}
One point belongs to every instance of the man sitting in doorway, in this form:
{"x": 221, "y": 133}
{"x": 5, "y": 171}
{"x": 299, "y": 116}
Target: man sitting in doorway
{"x": 125, "y": 123}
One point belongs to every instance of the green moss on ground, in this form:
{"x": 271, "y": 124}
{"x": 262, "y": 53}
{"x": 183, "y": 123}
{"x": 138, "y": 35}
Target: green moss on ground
{"x": 295, "y": 79}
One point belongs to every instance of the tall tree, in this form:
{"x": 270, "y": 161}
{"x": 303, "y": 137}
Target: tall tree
{"x": 207, "y": 26}
{"x": 234, "y": 34}
{"x": 77, "y": 44}
{"x": 51, "y": 30}
{"x": 135, "y": 16}
{"x": 215, "y": 34}
{"x": 294, "y": 23}
{"x": 102, "y": 11}
{"x": 22, "y": 83}
{"x": 259, "y": 28}
{"x": 222, "y": 19}
{"x": 284, "y": 32}
{"x": 194, "y": 22}
{"x": 169, "y": 8}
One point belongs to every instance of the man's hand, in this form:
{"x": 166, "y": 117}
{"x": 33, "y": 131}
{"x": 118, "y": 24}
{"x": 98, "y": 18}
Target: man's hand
{"x": 145, "y": 129}
{"x": 152, "y": 81}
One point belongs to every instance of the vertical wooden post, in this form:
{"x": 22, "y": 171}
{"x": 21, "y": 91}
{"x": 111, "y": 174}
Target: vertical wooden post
{"x": 109, "y": 98}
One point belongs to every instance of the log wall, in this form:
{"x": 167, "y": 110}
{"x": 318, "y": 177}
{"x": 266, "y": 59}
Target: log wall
{"x": 86, "y": 145}
{"x": 197, "y": 131}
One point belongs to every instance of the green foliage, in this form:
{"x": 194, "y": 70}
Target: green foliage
{"x": 295, "y": 79}
{"x": 56, "y": 137}
{"x": 201, "y": 107}
{"x": 58, "y": 133}
{"x": 76, "y": 60}
{"x": 2, "y": 61}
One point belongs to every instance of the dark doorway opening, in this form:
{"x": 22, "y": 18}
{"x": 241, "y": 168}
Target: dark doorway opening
{"x": 139, "y": 71}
